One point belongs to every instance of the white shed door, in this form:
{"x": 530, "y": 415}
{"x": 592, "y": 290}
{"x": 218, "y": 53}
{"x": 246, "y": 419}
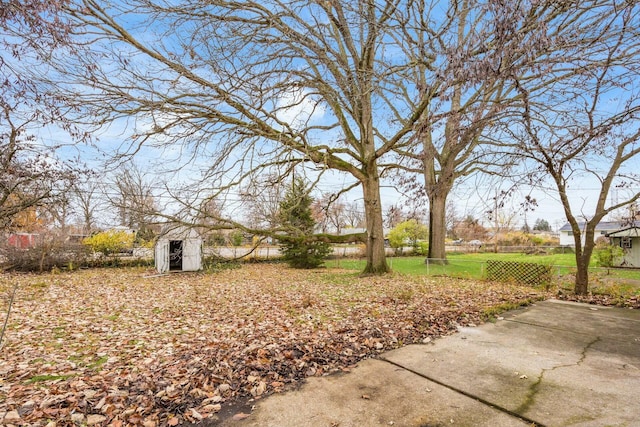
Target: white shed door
{"x": 162, "y": 256}
{"x": 192, "y": 255}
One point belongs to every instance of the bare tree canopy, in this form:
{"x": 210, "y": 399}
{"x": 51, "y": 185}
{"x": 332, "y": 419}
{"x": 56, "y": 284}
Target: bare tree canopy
{"x": 255, "y": 87}
{"x": 134, "y": 201}
{"x": 31, "y": 175}
{"x": 469, "y": 63}
{"x": 586, "y": 128}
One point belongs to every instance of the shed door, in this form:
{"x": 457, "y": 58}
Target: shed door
{"x": 192, "y": 256}
{"x": 162, "y": 256}
{"x": 175, "y": 254}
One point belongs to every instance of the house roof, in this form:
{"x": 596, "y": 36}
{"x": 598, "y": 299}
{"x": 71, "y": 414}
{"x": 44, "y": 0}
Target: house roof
{"x": 633, "y": 231}
{"x": 602, "y": 226}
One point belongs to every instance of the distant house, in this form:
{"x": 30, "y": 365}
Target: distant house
{"x": 629, "y": 240}
{"x": 22, "y": 240}
{"x": 178, "y": 248}
{"x": 602, "y": 229}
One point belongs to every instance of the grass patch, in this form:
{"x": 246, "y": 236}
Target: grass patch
{"x": 616, "y": 290}
{"x": 491, "y": 313}
{"x": 45, "y": 378}
{"x": 96, "y": 364}
{"x": 40, "y": 285}
{"x": 112, "y": 317}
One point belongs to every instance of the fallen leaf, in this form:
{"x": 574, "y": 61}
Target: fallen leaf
{"x": 11, "y": 417}
{"x": 240, "y": 416}
{"x": 94, "y": 419}
{"x": 131, "y": 349}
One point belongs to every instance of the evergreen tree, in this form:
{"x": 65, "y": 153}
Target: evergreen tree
{"x": 542, "y": 225}
{"x": 299, "y": 247}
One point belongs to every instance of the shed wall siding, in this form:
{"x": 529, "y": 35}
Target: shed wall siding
{"x": 192, "y": 255}
{"x": 632, "y": 256}
{"x": 162, "y": 256}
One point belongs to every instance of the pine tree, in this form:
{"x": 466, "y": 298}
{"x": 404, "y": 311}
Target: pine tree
{"x": 542, "y": 225}
{"x": 299, "y": 247}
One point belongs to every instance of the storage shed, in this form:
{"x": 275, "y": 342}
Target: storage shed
{"x": 629, "y": 240}
{"x": 178, "y": 248}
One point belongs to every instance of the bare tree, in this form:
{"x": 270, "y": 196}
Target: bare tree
{"x": 336, "y": 215}
{"x": 134, "y": 201}
{"x": 243, "y": 87}
{"x": 354, "y": 215}
{"x": 32, "y": 175}
{"x": 329, "y": 213}
{"x": 451, "y": 218}
{"x": 57, "y": 215}
{"x": 86, "y": 199}
{"x": 466, "y": 64}
{"x": 501, "y": 213}
{"x": 393, "y": 216}
{"x": 251, "y": 85}
{"x": 210, "y": 218}
{"x": 587, "y": 128}
{"x": 470, "y": 229}
{"x": 262, "y": 202}
{"x": 210, "y": 213}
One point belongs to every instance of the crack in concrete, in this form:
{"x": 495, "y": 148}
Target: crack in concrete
{"x": 534, "y": 388}
{"x": 558, "y": 328}
{"x": 514, "y": 414}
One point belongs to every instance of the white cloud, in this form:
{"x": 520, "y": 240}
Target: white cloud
{"x": 298, "y": 108}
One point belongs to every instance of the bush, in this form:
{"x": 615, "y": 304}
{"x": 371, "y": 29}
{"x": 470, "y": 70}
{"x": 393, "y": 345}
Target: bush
{"x": 408, "y": 232}
{"x": 606, "y": 255}
{"x": 514, "y": 239}
{"x": 562, "y": 250}
{"x": 45, "y": 256}
{"x": 236, "y": 238}
{"x": 421, "y": 248}
{"x": 214, "y": 264}
{"x": 110, "y": 242}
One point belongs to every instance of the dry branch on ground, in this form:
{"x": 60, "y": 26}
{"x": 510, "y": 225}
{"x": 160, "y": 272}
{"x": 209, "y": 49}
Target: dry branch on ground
{"x": 103, "y": 347}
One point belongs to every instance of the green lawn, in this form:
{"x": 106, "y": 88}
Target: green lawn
{"x": 472, "y": 265}
{"x": 460, "y": 265}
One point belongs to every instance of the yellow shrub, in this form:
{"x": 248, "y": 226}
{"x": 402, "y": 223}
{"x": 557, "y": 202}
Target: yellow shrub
{"x": 110, "y": 242}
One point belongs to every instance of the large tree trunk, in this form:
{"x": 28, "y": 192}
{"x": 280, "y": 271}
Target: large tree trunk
{"x": 376, "y": 259}
{"x": 438, "y": 184}
{"x": 583, "y": 258}
{"x": 437, "y": 229}
{"x": 581, "y": 285}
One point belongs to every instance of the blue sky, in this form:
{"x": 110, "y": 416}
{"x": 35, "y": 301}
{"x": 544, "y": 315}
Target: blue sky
{"x": 468, "y": 198}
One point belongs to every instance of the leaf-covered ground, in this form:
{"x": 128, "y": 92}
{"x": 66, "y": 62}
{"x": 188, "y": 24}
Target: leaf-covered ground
{"x": 125, "y": 347}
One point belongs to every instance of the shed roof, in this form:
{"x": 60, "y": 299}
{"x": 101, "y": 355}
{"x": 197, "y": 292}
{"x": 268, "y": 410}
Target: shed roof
{"x": 178, "y": 232}
{"x": 633, "y": 231}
